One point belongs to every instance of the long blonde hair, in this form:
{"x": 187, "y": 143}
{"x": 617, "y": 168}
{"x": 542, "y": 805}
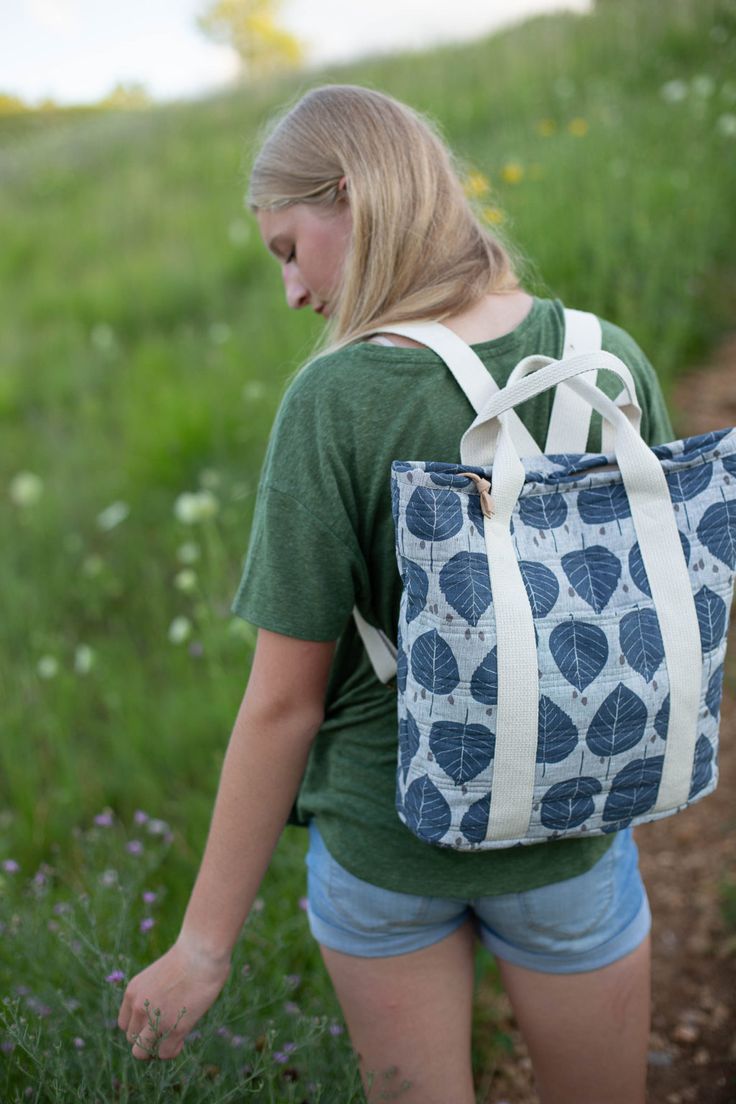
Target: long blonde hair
{"x": 417, "y": 249}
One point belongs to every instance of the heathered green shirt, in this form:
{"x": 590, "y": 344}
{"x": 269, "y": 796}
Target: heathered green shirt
{"x": 322, "y": 541}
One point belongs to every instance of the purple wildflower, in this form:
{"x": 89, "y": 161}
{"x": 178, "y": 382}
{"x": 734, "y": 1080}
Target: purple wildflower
{"x": 303, "y": 902}
{"x": 237, "y": 1041}
{"x": 139, "y": 817}
{"x": 224, "y": 1032}
{"x": 7, "y": 1046}
{"x": 196, "y": 649}
{"x": 292, "y": 980}
{"x": 79, "y": 1043}
{"x": 281, "y": 1056}
{"x": 149, "y": 897}
{"x": 245, "y": 970}
{"x": 134, "y": 846}
{"x": 158, "y": 827}
{"x": 104, "y": 820}
{"x": 291, "y": 1009}
{"x": 115, "y": 976}
{"x": 147, "y": 923}
{"x": 336, "y": 1029}
{"x": 289, "y": 1048}
{"x": 10, "y": 866}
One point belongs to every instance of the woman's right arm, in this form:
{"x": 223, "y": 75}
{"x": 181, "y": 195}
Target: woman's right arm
{"x": 280, "y": 715}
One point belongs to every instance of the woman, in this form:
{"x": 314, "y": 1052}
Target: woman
{"x": 359, "y": 200}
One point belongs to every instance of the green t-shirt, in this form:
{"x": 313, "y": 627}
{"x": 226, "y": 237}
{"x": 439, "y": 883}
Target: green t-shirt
{"x": 322, "y": 541}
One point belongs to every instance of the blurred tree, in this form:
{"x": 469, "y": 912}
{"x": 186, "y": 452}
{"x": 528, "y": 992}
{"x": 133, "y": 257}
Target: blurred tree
{"x": 126, "y": 97}
{"x": 249, "y": 26}
{"x": 12, "y": 105}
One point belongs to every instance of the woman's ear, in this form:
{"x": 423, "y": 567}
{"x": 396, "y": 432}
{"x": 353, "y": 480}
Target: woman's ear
{"x": 342, "y": 187}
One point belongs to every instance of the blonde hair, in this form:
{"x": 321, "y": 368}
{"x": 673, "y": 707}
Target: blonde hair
{"x": 417, "y": 249}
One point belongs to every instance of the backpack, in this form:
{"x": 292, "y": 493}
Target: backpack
{"x": 562, "y": 627}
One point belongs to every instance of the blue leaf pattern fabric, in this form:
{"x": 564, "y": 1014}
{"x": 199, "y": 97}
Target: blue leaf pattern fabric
{"x": 618, "y": 724}
{"x": 544, "y": 511}
{"x": 580, "y": 651}
{"x": 466, "y": 585}
{"x": 433, "y": 663}
{"x": 714, "y": 692}
{"x": 558, "y": 736}
{"x": 689, "y": 482}
{"x": 634, "y": 789}
{"x": 462, "y": 750}
{"x": 702, "y": 766}
{"x": 717, "y": 531}
{"x": 711, "y": 611}
{"x": 426, "y": 810}
{"x": 568, "y": 804}
{"x": 484, "y": 683}
{"x": 475, "y": 821}
{"x": 594, "y": 574}
{"x": 541, "y": 585}
{"x": 641, "y": 642}
{"x": 605, "y": 503}
{"x": 408, "y": 741}
{"x": 604, "y": 693}
{"x": 416, "y": 586}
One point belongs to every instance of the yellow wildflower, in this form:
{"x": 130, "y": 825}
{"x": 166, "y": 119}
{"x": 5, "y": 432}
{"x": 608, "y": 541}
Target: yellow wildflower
{"x": 546, "y": 127}
{"x": 512, "y": 172}
{"x": 493, "y": 214}
{"x": 476, "y": 184}
{"x": 578, "y": 127}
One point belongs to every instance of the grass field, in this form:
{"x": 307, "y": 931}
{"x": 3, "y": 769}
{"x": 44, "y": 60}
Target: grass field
{"x": 143, "y": 350}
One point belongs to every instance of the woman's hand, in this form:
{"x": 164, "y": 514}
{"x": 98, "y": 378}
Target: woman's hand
{"x": 183, "y": 984}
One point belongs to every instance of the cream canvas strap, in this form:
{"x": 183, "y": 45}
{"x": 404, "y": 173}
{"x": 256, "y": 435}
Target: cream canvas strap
{"x": 654, "y": 522}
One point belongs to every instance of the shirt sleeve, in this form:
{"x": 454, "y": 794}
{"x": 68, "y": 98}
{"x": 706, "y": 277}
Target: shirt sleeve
{"x": 656, "y": 427}
{"x": 304, "y": 567}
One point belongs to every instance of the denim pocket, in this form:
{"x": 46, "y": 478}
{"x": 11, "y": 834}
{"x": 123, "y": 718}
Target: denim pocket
{"x": 576, "y": 906}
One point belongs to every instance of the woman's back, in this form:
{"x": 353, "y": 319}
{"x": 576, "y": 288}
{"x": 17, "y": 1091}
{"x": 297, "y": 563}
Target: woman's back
{"x": 323, "y": 540}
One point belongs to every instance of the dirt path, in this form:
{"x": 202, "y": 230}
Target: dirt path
{"x": 685, "y": 861}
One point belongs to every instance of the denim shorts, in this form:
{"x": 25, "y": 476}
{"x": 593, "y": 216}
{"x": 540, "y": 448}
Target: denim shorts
{"x": 579, "y": 924}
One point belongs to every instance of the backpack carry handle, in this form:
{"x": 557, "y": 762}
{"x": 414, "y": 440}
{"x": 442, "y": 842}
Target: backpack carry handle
{"x": 538, "y": 374}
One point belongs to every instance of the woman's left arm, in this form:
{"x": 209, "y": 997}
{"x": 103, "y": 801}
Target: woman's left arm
{"x": 280, "y": 715}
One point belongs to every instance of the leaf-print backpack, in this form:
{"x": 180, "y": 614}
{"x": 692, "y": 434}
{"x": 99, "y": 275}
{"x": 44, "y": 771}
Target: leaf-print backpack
{"x": 563, "y": 621}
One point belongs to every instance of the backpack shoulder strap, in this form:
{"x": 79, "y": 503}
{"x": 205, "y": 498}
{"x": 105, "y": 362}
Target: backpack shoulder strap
{"x": 569, "y": 422}
{"x": 469, "y": 371}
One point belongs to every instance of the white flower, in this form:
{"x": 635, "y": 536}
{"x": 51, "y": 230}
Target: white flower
{"x": 26, "y": 488}
{"x": 102, "y": 337}
{"x": 219, "y": 333}
{"x": 112, "y": 515}
{"x": 84, "y": 658}
{"x": 673, "y": 91}
{"x": 253, "y": 391}
{"x": 193, "y": 507}
{"x": 238, "y": 232}
{"x": 188, "y": 552}
{"x": 109, "y": 877}
{"x": 726, "y": 125}
{"x": 47, "y": 667}
{"x": 180, "y": 630}
{"x": 186, "y": 580}
{"x": 157, "y": 827}
{"x": 703, "y": 86}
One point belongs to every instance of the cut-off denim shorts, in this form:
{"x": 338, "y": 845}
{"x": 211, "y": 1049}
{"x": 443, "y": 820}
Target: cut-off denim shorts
{"x": 579, "y": 924}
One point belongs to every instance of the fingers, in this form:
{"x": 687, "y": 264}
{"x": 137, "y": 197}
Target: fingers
{"x": 145, "y": 1029}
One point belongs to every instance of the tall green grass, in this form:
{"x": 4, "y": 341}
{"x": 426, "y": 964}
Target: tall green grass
{"x": 143, "y": 351}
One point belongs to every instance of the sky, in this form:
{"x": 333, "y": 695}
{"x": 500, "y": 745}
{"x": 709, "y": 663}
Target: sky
{"x": 76, "y": 51}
